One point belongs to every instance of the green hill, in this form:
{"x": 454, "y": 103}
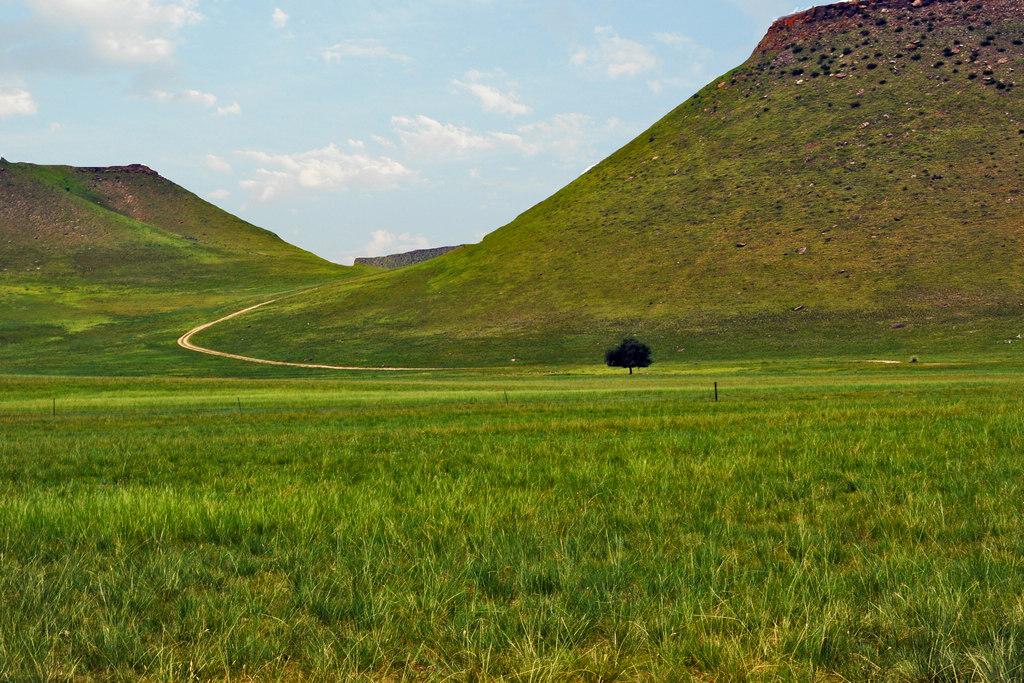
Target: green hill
{"x": 103, "y": 265}
{"x": 852, "y": 189}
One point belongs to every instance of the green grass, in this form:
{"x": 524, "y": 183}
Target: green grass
{"x": 823, "y": 521}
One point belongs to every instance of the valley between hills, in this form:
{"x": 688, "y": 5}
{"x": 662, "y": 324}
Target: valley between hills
{"x": 225, "y": 458}
{"x": 852, "y": 190}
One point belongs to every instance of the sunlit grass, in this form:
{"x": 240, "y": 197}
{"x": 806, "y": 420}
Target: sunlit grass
{"x": 859, "y": 524}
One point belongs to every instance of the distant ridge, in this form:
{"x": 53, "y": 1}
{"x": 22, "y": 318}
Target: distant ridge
{"x": 125, "y": 223}
{"x": 406, "y": 259}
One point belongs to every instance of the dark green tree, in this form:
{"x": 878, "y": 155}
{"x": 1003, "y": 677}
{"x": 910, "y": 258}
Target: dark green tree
{"x": 629, "y": 354}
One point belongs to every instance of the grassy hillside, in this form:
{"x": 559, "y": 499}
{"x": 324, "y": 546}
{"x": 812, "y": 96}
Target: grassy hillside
{"x": 102, "y": 266}
{"x": 853, "y": 188}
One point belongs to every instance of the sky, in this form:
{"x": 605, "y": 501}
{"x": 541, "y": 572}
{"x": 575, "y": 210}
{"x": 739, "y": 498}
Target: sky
{"x": 359, "y": 127}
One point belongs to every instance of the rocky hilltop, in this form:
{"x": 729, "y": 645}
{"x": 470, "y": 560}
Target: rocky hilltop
{"x": 130, "y": 168}
{"x": 822, "y": 21}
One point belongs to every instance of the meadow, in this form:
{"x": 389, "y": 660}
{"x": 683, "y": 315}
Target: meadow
{"x": 821, "y": 521}
{"x": 850, "y": 194}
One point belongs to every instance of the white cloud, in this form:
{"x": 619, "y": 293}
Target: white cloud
{"x": 614, "y": 55}
{"x": 567, "y": 136}
{"x": 218, "y": 164}
{"x": 383, "y": 243}
{"x": 205, "y": 99}
{"x": 187, "y": 97}
{"x": 280, "y": 18}
{"x": 219, "y": 194}
{"x": 16, "y": 102}
{"x": 493, "y": 99}
{"x": 360, "y": 49}
{"x": 676, "y": 40}
{"x": 327, "y": 169}
{"x": 425, "y": 136}
{"x": 233, "y": 108}
{"x": 132, "y": 31}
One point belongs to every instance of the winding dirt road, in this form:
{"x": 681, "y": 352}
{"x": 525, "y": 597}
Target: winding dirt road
{"x": 185, "y": 342}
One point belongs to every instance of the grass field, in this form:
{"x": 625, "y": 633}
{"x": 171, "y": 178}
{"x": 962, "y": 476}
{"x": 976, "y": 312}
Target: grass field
{"x": 848, "y": 195}
{"x": 820, "y": 522}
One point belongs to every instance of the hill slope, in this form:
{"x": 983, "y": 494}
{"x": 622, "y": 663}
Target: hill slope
{"x": 853, "y": 188}
{"x": 105, "y": 260}
{"x": 121, "y": 224}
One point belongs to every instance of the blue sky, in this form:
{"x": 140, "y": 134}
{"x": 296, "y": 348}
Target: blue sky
{"x": 352, "y": 127}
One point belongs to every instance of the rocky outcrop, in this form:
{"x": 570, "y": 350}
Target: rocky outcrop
{"x": 407, "y": 259}
{"x": 842, "y": 16}
{"x": 130, "y": 168}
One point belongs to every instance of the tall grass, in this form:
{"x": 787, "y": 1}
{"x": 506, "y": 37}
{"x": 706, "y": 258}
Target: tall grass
{"x": 850, "y": 526}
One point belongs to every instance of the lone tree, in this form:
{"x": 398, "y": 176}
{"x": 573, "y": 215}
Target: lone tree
{"x": 629, "y": 354}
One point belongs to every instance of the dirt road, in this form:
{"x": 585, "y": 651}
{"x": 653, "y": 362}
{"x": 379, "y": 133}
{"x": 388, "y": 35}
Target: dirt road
{"x": 185, "y": 342}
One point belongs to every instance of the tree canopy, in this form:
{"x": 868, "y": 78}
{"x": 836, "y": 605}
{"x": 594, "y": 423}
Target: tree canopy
{"x": 629, "y": 354}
